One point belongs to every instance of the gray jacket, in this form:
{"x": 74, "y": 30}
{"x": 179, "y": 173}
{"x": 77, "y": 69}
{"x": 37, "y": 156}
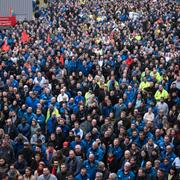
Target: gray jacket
{"x": 50, "y": 177}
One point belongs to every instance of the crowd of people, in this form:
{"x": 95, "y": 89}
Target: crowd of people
{"x": 90, "y": 90}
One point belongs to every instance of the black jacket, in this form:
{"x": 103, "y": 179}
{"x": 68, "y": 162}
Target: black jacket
{"x": 8, "y": 153}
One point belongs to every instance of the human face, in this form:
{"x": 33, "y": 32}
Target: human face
{"x": 116, "y": 142}
{"x": 27, "y": 172}
{"x": 141, "y": 135}
{"x": 2, "y": 161}
{"x": 71, "y": 154}
{"x": 56, "y": 163}
{"x": 143, "y": 154}
{"x": 127, "y": 154}
{"x": 46, "y": 171}
{"x": 98, "y": 177}
{"x": 63, "y": 168}
{"x": 160, "y": 174}
{"x": 83, "y": 172}
{"x": 126, "y": 167}
{"x": 148, "y": 165}
{"x": 20, "y": 159}
{"x": 91, "y": 158}
{"x": 40, "y": 166}
{"x": 150, "y": 142}
{"x": 140, "y": 173}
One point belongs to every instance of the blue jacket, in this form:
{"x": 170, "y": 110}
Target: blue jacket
{"x": 21, "y": 166}
{"x": 62, "y": 110}
{"x": 18, "y": 147}
{"x": 36, "y": 67}
{"x": 130, "y": 130}
{"x": 91, "y": 168}
{"x": 106, "y": 110}
{"x": 46, "y": 98}
{"x": 71, "y": 66}
{"x": 111, "y": 63}
{"x": 117, "y": 152}
{"x": 133, "y": 82}
{"x": 171, "y": 156}
{"x": 126, "y": 101}
{"x": 71, "y": 105}
{"x": 32, "y": 102}
{"x": 152, "y": 173}
{"x": 75, "y": 109}
{"x": 56, "y": 104}
{"x": 162, "y": 147}
{"x": 149, "y": 135}
{"x": 87, "y": 145}
{"x": 37, "y": 88}
{"x": 84, "y": 70}
{"x": 14, "y": 83}
{"x": 65, "y": 129}
{"x": 157, "y": 122}
{"x": 10, "y": 41}
{"x": 118, "y": 109}
{"x": 130, "y": 95}
{"x": 140, "y": 143}
{"x": 79, "y": 64}
{"x": 29, "y": 117}
{"x": 121, "y": 175}
{"x": 43, "y": 152}
{"x": 26, "y": 55}
{"x": 176, "y": 101}
{"x": 20, "y": 113}
{"x": 158, "y": 140}
{"x": 124, "y": 56}
{"x": 141, "y": 125}
{"x": 134, "y": 138}
{"x": 80, "y": 177}
{"x": 51, "y": 125}
{"x": 24, "y": 129}
{"x": 40, "y": 119}
{"x": 155, "y": 110}
{"x": 98, "y": 153}
{"x": 77, "y": 99}
{"x": 90, "y": 64}
{"x": 74, "y": 143}
{"x": 165, "y": 167}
